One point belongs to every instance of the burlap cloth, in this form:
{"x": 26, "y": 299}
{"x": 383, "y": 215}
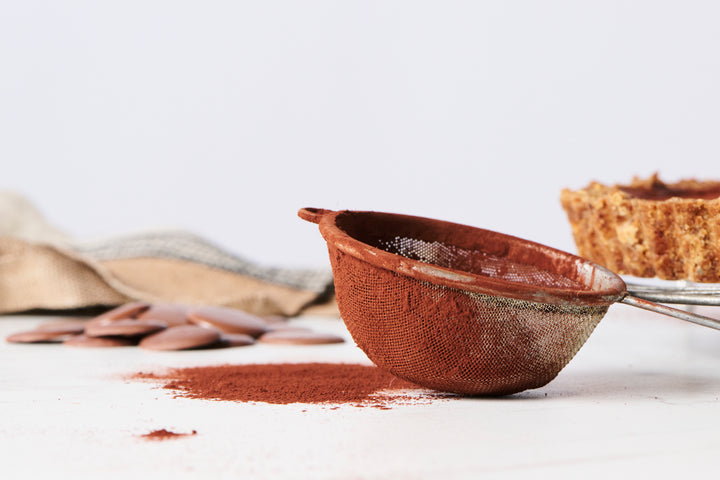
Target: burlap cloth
{"x": 41, "y": 267}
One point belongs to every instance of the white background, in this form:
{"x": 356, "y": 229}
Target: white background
{"x": 226, "y": 117}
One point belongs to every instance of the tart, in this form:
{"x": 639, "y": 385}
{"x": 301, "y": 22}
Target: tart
{"x": 649, "y": 228}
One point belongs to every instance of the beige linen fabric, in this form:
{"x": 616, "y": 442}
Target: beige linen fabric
{"x": 42, "y": 268}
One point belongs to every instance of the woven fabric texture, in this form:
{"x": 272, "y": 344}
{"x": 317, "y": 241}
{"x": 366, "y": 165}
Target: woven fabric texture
{"x": 43, "y": 268}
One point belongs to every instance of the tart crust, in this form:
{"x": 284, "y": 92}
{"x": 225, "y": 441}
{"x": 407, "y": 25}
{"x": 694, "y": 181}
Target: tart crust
{"x": 649, "y": 228}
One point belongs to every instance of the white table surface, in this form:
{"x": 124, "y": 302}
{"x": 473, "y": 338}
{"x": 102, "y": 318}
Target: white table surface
{"x": 641, "y": 399}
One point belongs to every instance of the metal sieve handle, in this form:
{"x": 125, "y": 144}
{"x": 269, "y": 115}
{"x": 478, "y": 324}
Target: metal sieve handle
{"x": 687, "y": 295}
{"x": 672, "y": 312}
{"x": 313, "y": 215}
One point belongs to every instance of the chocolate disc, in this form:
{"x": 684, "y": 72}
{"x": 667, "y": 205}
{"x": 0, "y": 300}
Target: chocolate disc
{"x": 36, "y": 336}
{"x": 128, "y": 310}
{"x": 85, "y": 341}
{"x": 236, "y": 340}
{"x": 127, "y": 327}
{"x": 180, "y": 338}
{"x": 295, "y": 336}
{"x": 69, "y": 326}
{"x": 172, "y": 314}
{"x": 228, "y": 320}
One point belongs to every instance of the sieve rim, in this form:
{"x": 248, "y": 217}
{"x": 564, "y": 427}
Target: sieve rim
{"x": 604, "y": 287}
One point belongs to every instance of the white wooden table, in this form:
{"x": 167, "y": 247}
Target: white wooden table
{"x": 641, "y": 399}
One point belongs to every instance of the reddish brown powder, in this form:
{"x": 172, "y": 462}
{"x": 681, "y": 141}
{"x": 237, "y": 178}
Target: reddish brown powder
{"x": 163, "y": 434}
{"x": 287, "y": 383}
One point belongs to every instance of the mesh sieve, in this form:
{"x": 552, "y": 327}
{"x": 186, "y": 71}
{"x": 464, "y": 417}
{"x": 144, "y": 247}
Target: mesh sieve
{"x": 463, "y": 309}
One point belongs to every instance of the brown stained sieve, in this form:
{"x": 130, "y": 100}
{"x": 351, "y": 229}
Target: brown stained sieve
{"x": 462, "y": 309}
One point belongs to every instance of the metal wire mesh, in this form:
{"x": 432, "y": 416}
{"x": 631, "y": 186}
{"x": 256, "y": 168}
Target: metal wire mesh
{"x": 486, "y": 337}
{"x": 457, "y": 341}
{"x": 473, "y": 261}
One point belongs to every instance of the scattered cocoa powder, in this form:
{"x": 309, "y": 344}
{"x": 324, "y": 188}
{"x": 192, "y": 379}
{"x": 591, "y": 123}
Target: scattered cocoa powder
{"x": 164, "y": 434}
{"x": 319, "y": 383}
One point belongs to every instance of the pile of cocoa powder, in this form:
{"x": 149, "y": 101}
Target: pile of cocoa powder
{"x": 310, "y": 383}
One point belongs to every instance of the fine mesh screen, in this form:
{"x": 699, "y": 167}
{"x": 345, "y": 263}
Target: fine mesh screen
{"x": 457, "y": 341}
{"x": 442, "y": 329}
{"x": 474, "y": 261}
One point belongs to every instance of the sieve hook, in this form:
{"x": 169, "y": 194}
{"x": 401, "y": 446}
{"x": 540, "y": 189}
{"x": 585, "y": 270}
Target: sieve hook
{"x": 672, "y": 312}
{"x": 313, "y": 215}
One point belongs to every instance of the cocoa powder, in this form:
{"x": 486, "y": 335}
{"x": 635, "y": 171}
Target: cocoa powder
{"x": 164, "y": 434}
{"x": 319, "y": 383}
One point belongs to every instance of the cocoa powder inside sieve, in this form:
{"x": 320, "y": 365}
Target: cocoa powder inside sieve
{"x": 318, "y": 383}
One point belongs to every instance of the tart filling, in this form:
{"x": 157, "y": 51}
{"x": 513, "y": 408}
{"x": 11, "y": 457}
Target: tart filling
{"x": 649, "y": 228}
